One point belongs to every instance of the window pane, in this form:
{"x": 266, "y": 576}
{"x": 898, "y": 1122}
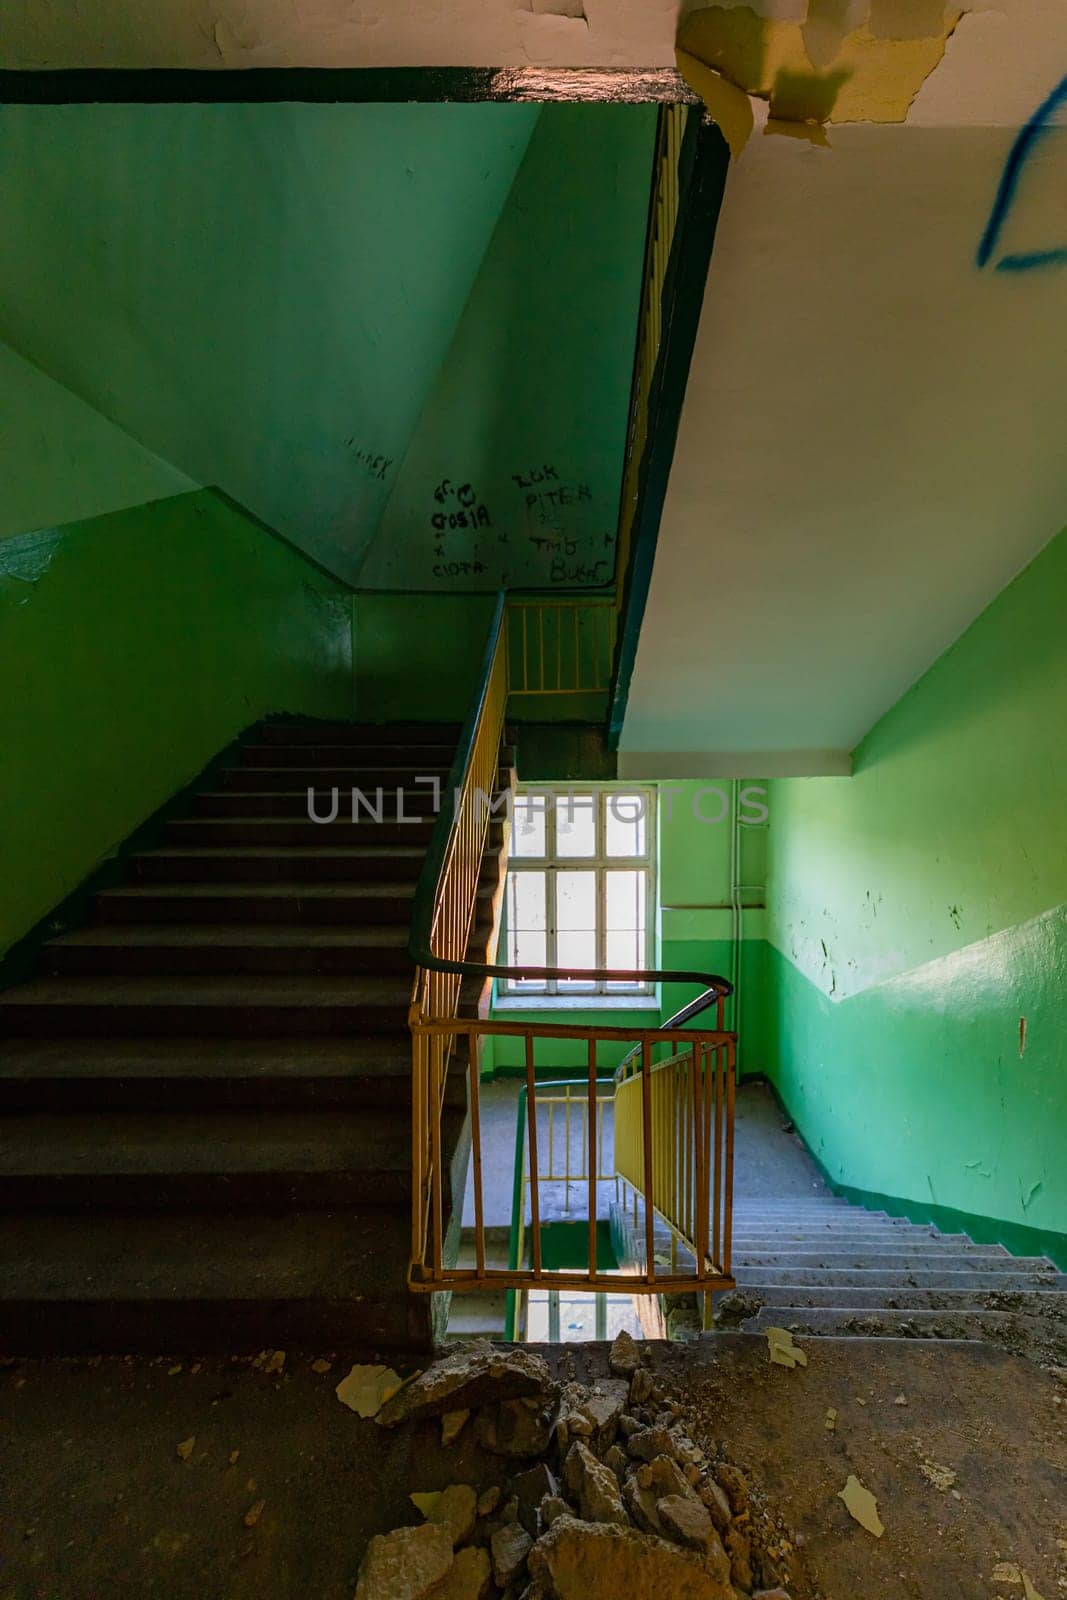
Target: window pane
{"x": 527, "y": 935}
{"x": 575, "y": 825}
{"x": 527, "y": 950}
{"x": 576, "y": 901}
{"x": 526, "y": 902}
{"x": 625, "y": 901}
{"x": 528, "y": 829}
{"x": 625, "y": 824}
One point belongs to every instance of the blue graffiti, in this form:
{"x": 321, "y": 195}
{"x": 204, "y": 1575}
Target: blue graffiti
{"x": 1021, "y": 151}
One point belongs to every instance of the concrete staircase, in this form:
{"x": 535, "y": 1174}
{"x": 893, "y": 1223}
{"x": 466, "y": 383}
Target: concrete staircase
{"x": 821, "y": 1266}
{"x": 480, "y": 1315}
{"x": 205, "y": 1094}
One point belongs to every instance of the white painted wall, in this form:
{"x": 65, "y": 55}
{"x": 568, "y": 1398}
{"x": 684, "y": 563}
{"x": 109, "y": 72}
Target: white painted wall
{"x": 60, "y": 460}
{"x": 872, "y": 441}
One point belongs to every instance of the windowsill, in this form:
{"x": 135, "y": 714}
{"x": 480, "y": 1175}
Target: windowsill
{"x": 576, "y": 1002}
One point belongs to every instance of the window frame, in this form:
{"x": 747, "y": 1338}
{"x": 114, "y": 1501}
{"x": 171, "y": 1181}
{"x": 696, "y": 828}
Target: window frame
{"x": 562, "y": 991}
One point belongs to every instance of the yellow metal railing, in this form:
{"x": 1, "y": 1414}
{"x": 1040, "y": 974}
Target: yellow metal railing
{"x": 563, "y": 646}
{"x": 674, "y": 1145}
{"x": 447, "y": 1036}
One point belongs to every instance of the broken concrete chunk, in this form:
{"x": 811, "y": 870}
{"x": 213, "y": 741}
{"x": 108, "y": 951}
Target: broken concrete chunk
{"x": 473, "y": 1375}
{"x": 489, "y": 1501}
{"x": 186, "y": 1448}
{"x": 862, "y": 1506}
{"x": 598, "y": 1561}
{"x": 530, "y": 1488}
{"x": 716, "y": 1503}
{"x": 454, "y": 1508}
{"x": 783, "y": 1352}
{"x": 594, "y": 1486}
{"x": 553, "y": 1506}
{"x": 650, "y": 1442}
{"x": 831, "y": 1419}
{"x": 510, "y": 1545}
{"x": 405, "y": 1564}
{"x": 641, "y": 1386}
{"x": 515, "y": 1428}
{"x": 468, "y": 1578}
{"x": 452, "y": 1425}
{"x": 617, "y": 1461}
{"x": 366, "y": 1389}
{"x": 624, "y": 1358}
{"x": 733, "y": 1480}
{"x": 738, "y": 1547}
{"x": 770, "y": 1594}
{"x": 686, "y": 1520}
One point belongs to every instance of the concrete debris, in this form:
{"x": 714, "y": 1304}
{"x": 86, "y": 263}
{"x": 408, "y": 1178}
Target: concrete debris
{"x": 454, "y": 1508}
{"x": 783, "y": 1352}
{"x": 254, "y": 1512}
{"x": 366, "y": 1389}
{"x": 489, "y": 1500}
{"x": 608, "y": 1495}
{"x": 186, "y": 1448}
{"x": 516, "y": 1428}
{"x": 831, "y": 1419}
{"x": 468, "y": 1578}
{"x": 862, "y": 1506}
{"x": 405, "y": 1564}
{"x": 594, "y": 1486}
{"x": 624, "y": 1358}
{"x": 596, "y": 1561}
{"x": 941, "y": 1477}
{"x": 509, "y": 1547}
{"x": 473, "y": 1375}
{"x": 452, "y": 1425}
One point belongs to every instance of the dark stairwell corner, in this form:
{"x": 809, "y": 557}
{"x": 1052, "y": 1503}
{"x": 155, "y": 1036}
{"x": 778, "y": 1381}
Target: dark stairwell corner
{"x": 205, "y": 1092}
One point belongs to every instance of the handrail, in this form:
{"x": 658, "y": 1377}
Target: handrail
{"x": 518, "y": 1194}
{"x": 427, "y": 891}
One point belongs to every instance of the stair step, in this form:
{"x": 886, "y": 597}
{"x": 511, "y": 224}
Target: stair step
{"x": 317, "y": 863}
{"x": 260, "y": 1160}
{"x": 317, "y": 904}
{"x": 391, "y": 734}
{"x": 345, "y": 778}
{"x": 190, "y": 1074}
{"x": 1015, "y": 1275}
{"x": 414, "y": 759}
{"x": 149, "y": 949}
{"x": 282, "y": 1006}
{"x": 847, "y": 1239}
{"x": 1031, "y": 1301}
{"x": 477, "y": 1316}
{"x": 899, "y": 1260}
{"x": 286, "y": 832}
{"x": 204, "y": 1283}
{"x": 292, "y": 804}
{"x": 901, "y": 1324}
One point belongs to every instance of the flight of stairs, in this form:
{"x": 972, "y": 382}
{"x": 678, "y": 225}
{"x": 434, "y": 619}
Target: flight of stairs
{"x": 819, "y": 1265}
{"x": 205, "y": 1094}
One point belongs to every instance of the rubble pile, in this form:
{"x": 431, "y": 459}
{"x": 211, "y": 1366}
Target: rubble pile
{"x": 608, "y": 1496}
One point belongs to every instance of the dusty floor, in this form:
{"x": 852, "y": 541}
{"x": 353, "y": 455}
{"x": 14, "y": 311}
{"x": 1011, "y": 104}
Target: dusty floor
{"x": 98, "y": 1505}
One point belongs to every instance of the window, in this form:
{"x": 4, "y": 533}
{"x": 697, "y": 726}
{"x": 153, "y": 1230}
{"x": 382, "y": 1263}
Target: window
{"x": 579, "y": 887}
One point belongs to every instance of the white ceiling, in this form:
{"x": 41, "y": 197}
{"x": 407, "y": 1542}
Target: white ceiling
{"x": 872, "y": 443}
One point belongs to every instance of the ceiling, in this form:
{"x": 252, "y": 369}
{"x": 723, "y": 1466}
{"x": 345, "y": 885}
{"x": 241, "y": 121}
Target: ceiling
{"x": 871, "y": 445}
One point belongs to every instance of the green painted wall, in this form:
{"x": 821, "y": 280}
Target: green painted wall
{"x": 917, "y": 921}
{"x": 60, "y": 460}
{"x": 133, "y": 648}
{"x": 261, "y": 294}
{"x": 527, "y": 418}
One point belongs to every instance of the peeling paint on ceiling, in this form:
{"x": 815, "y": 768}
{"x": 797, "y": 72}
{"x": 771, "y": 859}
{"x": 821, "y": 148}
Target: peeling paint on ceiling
{"x": 828, "y": 68}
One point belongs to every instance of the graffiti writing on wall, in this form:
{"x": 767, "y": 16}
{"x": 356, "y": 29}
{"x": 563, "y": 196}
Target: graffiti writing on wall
{"x": 376, "y": 464}
{"x": 1028, "y": 144}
